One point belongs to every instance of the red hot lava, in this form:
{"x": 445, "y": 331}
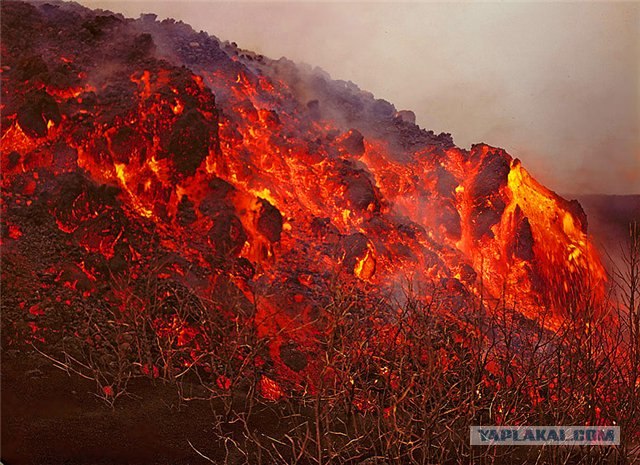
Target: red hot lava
{"x": 255, "y": 184}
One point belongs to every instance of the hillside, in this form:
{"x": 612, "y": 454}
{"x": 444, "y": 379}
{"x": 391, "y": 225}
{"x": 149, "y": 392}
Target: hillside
{"x": 175, "y": 208}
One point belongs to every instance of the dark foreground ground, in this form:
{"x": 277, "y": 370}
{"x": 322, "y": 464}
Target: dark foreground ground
{"x": 49, "y": 418}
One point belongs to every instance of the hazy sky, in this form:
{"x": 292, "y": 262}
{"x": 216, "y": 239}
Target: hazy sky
{"x": 556, "y": 84}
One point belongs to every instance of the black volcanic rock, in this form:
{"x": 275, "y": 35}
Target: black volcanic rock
{"x": 39, "y": 108}
{"x": 491, "y": 177}
{"x": 293, "y": 357}
{"x": 446, "y": 182}
{"x": 189, "y": 142}
{"x": 269, "y": 221}
{"x": 524, "y": 240}
{"x": 227, "y": 235}
{"x": 354, "y": 143}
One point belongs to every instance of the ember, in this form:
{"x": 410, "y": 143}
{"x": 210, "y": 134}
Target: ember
{"x": 197, "y": 197}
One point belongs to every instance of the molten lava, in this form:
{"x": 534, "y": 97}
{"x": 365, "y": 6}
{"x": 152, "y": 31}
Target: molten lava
{"x": 255, "y": 183}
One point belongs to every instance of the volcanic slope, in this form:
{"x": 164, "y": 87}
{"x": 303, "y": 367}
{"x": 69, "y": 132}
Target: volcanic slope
{"x": 139, "y": 151}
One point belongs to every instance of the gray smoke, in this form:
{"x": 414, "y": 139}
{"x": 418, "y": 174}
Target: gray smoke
{"x": 556, "y": 84}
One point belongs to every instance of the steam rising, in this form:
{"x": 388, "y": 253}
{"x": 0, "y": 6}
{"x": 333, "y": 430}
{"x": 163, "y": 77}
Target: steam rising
{"x": 556, "y": 84}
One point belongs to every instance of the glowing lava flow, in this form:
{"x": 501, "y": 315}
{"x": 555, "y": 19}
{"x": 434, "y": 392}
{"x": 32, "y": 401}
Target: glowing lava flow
{"x": 263, "y": 184}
